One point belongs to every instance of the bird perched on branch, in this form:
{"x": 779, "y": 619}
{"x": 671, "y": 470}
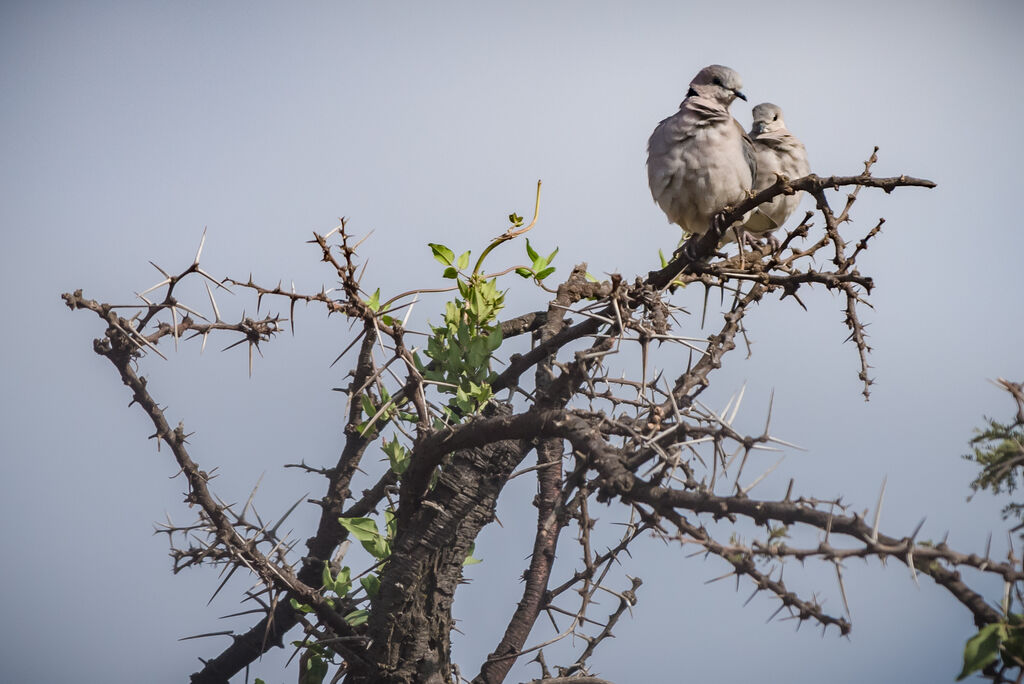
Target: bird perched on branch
{"x": 700, "y": 160}
{"x": 778, "y": 152}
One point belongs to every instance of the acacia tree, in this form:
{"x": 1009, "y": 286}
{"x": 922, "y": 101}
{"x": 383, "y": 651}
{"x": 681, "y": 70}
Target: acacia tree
{"x": 458, "y": 418}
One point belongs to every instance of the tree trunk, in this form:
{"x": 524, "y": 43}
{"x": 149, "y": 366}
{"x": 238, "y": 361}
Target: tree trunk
{"x": 411, "y": 619}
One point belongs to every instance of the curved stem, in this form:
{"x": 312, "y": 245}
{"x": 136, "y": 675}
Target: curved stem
{"x": 510, "y": 233}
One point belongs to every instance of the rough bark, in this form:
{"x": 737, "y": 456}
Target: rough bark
{"x": 411, "y": 618}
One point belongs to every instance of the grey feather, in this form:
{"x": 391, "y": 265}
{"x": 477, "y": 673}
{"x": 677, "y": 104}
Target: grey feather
{"x": 778, "y": 153}
{"x": 699, "y": 160}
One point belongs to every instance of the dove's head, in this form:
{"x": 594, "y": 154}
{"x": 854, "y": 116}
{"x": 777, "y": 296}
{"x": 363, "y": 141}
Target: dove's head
{"x": 767, "y": 119}
{"x": 718, "y": 83}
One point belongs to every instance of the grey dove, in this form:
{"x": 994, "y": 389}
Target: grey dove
{"x": 700, "y": 160}
{"x": 778, "y": 152}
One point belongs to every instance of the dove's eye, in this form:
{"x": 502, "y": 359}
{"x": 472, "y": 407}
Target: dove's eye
{"x": 775, "y": 118}
{"x": 718, "y": 82}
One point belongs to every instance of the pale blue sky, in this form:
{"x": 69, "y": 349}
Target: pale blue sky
{"x": 125, "y": 128}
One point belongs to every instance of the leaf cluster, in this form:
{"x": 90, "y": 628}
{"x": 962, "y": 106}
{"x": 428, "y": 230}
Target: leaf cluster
{"x": 995, "y": 641}
{"x": 999, "y": 450}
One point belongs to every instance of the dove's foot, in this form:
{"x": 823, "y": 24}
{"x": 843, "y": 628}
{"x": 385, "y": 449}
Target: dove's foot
{"x": 753, "y": 241}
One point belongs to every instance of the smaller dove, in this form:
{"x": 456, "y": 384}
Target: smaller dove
{"x": 778, "y": 152}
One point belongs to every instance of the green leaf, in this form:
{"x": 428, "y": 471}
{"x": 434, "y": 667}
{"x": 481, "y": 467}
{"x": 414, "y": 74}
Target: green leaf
{"x": 343, "y": 582}
{"x": 494, "y": 339}
{"x": 530, "y": 251}
{"x": 316, "y": 670}
{"x": 982, "y": 649}
{"x": 463, "y": 261}
{"x": 589, "y": 276}
{"x": 357, "y": 617}
{"x": 463, "y": 401}
{"x": 524, "y": 272}
{"x": 552, "y": 255}
{"x": 374, "y": 301}
{"x": 452, "y": 312}
{"x": 545, "y": 273}
{"x": 390, "y": 523}
{"x": 516, "y": 219}
{"x": 367, "y": 405}
{"x": 485, "y": 394}
{"x": 326, "y": 580}
{"x": 469, "y": 556}
{"x": 398, "y": 455}
{"x": 360, "y": 528}
{"x": 301, "y": 607}
{"x": 371, "y": 583}
{"x": 1013, "y": 644}
{"x": 442, "y": 254}
{"x": 365, "y": 530}
{"x": 451, "y": 273}
{"x": 473, "y": 304}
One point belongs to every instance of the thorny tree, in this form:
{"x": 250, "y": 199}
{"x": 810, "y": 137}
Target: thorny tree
{"x": 458, "y": 419}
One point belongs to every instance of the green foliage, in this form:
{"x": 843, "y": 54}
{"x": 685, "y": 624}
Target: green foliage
{"x": 314, "y": 663}
{"x": 469, "y": 556}
{"x": 374, "y": 301}
{"x": 442, "y": 254}
{"x": 301, "y": 607}
{"x": 994, "y": 641}
{"x": 316, "y": 659}
{"x": 397, "y": 454}
{"x": 380, "y": 415}
{"x": 461, "y": 347}
{"x": 357, "y": 617}
{"x": 371, "y": 583}
{"x": 999, "y": 450}
{"x": 314, "y": 670}
{"x": 664, "y": 262}
{"x": 459, "y": 352}
{"x": 777, "y": 535}
{"x": 539, "y": 269}
{"x": 365, "y": 531}
{"x": 341, "y": 584}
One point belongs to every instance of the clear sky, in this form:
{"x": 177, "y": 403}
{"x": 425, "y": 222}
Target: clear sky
{"x": 125, "y": 128}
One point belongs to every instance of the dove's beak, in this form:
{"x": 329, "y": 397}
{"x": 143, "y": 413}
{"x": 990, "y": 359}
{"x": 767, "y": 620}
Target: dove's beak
{"x": 740, "y": 95}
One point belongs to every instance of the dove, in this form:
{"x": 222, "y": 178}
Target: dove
{"x": 778, "y": 152}
{"x": 700, "y": 160}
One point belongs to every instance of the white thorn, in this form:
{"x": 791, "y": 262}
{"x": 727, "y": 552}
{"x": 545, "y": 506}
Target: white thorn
{"x": 199, "y": 251}
{"x": 163, "y": 282}
{"x": 878, "y": 511}
{"x": 213, "y": 302}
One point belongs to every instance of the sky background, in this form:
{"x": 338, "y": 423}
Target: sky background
{"x": 126, "y": 128}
